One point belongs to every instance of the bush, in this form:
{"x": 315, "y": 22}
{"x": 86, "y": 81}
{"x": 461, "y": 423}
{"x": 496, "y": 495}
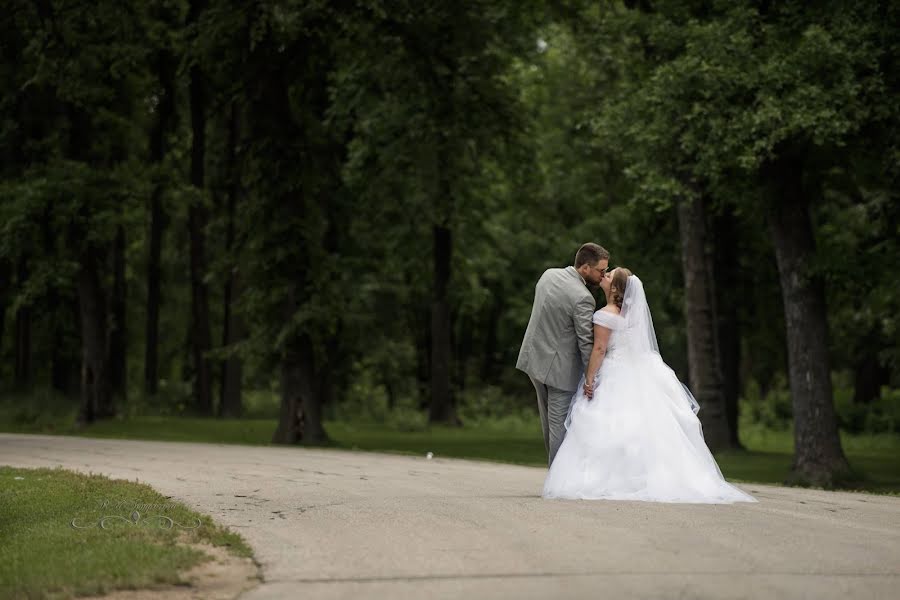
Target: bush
{"x": 881, "y": 416}
{"x": 366, "y": 401}
{"x": 491, "y": 404}
{"x": 774, "y": 410}
{"x": 40, "y": 410}
{"x": 261, "y": 404}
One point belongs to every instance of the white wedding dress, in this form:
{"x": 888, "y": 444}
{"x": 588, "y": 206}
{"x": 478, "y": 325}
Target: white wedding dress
{"x": 639, "y": 437}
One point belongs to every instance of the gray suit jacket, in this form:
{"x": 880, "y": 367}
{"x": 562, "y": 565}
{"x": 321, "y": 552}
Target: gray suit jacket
{"x": 560, "y": 335}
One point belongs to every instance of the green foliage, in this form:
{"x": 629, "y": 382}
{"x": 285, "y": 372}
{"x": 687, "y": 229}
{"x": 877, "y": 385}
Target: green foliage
{"x": 773, "y": 410}
{"x": 44, "y": 557}
{"x": 344, "y": 134}
{"x": 42, "y": 410}
{"x": 881, "y": 416}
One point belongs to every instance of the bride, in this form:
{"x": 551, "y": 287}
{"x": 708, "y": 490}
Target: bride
{"x": 632, "y": 429}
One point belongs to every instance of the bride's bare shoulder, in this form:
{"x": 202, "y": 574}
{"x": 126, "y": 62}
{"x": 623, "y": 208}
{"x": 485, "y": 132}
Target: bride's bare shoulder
{"x": 611, "y": 309}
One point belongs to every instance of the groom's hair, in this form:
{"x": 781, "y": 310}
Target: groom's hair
{"x": 590, "y": 254}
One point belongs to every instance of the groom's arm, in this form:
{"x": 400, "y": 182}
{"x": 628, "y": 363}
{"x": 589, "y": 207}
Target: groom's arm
{"x": 584, "y": 328}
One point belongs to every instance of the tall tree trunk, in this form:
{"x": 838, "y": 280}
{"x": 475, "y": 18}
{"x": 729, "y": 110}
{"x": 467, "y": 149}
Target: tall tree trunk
{"x": 442, "y": 409}
{"x": 5, "y": 292}
{"x": 419, "y": 317}
{"x": 702, "y": 344}
{"x": 488, "y": 370}
{"x": 296, "y": 387}
{"x": 154, "y": 278}
{"x": 62, "y": 319}
{"x": 462, "y": 344}
{"x": 63, "y": 365}
{"x": 868, "y": 372}
{"x": 232, "y": 368}
{"x": 165, "y": 66}
{"x": 726, "y": 281}
{"x": 305, "y": 384}
{"x": 201, "y": 337}
{"x": 118, "y": 334}
{"x": 818, "y": 456}
{"x": 300, "y": 418}
{"x": 23, "y": 333}
{"x": 233, "y": 329}
{"x": 329, "y": 379}
{"x": 96, "y": 399}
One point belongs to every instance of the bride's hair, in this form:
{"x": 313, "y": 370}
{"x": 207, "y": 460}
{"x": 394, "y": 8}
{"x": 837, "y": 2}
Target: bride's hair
{"x": 618, "y": 285}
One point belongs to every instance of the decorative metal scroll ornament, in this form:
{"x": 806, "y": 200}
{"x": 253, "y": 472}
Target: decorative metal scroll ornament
{"x": 136, "y": 517}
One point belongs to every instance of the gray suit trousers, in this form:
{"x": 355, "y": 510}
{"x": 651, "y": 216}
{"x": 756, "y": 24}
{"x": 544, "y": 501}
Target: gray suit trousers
{"x": 553, "y": 404}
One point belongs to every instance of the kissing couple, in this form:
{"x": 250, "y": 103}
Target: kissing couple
{"x": 617, "y": 422}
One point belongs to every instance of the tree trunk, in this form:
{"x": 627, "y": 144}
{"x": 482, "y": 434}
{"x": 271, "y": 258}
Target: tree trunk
{"x": 302, "y": 380}
{"x": 232, "y": 368}
{"x": 118, "y": 340}
{"x": 233, "y": 328}
{"x": 293, "y": 387}
{"x": 489, "y": 359}
{"x": 5, "y": 290}
{"x": 818, "y": 456}
{"x": 165, "y": 66}
{"x": 96, "y": 400}
{"x": 154, "y": 277}
{"x": 23, "y": 334}
{"x": 462, "y": 344}
{"x": 63, "y": 365}
{"x": 705, "y": 372}
{"x": 300, "y": 418}
{"x": 328, "y": 379}
{"x": 62, "y": 319}
{"x": 729, "y": 334}
{"x": 201, "y": 337}
{"x": 868, "y": 372}
{"x": 442, "y": 409}
{"x": 420, "y": 317}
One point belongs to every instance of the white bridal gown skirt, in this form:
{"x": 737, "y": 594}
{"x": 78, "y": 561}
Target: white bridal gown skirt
{"x": 637, "y": 439}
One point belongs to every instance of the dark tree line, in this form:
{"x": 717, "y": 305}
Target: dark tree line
{"x": 306, "y": 195}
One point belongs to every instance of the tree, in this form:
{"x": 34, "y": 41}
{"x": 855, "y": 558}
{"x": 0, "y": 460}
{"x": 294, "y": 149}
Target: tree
{"x": 766, "y": 101}
{"x": 706, "y": 376}
{"x": 818, "y": 449}
{"x": 201, "y": 336}
{"x": 23, "y": 331}
{"x": 76, "y": 89}
{"x": 163, "y": 19}
{"x": 275, "y": 63}
{"x": 446, "y": 110}
{"x": 642, "y": 120}
{"x": 233, "y": 324}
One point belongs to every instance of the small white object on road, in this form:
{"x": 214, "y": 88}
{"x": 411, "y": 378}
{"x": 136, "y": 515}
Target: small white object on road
{"x": 429, "y": 456}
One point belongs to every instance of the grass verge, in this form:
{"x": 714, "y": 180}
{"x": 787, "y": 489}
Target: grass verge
{"x": 67, "y": 534}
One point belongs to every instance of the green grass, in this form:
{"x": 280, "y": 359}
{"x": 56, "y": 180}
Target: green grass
{"x": 875, "y": 458}
{"x": 44, "y": 556}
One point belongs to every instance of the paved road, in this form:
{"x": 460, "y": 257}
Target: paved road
{"x": 336, "y": 524}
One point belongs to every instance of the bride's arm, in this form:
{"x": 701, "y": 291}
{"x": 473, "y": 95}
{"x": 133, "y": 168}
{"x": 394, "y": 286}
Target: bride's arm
{"x": 601, "y": 337}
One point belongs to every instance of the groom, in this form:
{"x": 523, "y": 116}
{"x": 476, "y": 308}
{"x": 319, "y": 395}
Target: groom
{"x": 559, "y": 338}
